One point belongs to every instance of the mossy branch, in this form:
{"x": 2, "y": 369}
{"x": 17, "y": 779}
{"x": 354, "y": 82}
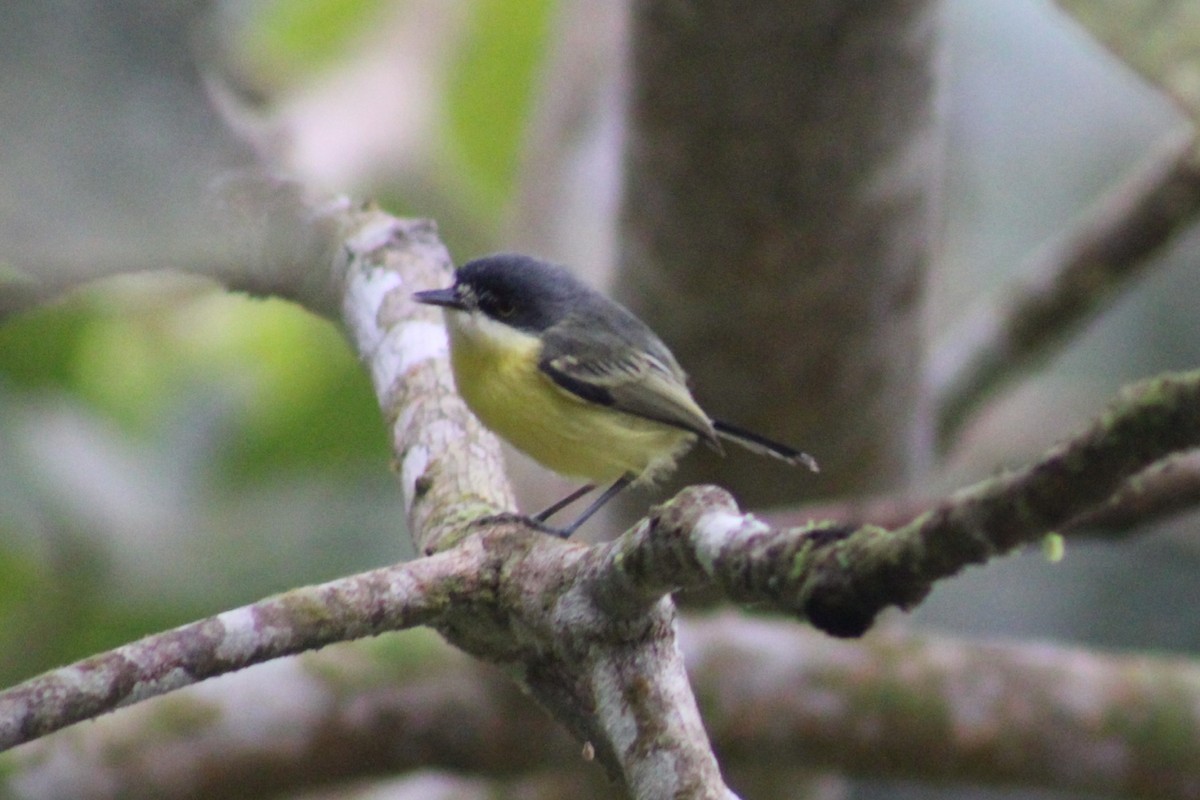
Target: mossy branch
{"x": 957, "y": 710}
{"x": 590, "y": 630}
{"x": 1151, "y": 421}
{"x": 840, "y": 577}
{"x": 1161, "y": 491}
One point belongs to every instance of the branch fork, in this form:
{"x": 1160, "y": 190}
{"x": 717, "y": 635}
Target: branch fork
{"x": 590, "y": 630}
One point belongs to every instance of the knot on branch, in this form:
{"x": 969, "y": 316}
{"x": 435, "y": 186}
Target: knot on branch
{"x": 842, "y": 598}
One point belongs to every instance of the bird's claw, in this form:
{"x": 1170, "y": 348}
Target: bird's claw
{"x": 509, "y": 518}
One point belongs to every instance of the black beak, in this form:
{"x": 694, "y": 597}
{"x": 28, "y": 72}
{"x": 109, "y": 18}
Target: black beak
{"x": 447, "y": 298}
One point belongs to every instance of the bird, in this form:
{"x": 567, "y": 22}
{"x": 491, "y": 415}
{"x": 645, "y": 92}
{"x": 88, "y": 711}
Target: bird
{"x": 575, "y": 380}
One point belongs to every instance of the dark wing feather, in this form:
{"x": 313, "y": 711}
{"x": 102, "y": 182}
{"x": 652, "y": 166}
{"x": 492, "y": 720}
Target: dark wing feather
{"x": 643, "y": 380}
{"x": 757, "y": 443}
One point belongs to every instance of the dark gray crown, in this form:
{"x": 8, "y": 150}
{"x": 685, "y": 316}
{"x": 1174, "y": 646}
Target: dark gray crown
{"x": 522, "y": 291}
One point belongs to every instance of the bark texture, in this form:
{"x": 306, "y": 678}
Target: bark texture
{"x": 778, "y": 219}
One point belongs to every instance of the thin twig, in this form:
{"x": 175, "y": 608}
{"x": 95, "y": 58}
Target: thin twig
{"x": 1158, "y": 493}
{"x": 1069, "y": 281}
{"x": 1156, "y": 38}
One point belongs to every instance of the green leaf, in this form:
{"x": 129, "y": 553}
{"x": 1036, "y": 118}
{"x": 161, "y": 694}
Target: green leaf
{"x": 286, "y": 37}
{"x": 491, "y": 90}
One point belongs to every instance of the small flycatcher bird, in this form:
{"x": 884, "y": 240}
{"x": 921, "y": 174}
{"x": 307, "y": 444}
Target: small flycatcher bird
{"x": 574, "y": 379}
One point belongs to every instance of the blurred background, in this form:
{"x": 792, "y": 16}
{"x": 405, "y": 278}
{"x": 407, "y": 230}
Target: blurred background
{"x": 169, "y": 450}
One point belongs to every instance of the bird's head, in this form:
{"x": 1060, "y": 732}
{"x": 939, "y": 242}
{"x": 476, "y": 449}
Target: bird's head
{"x": 514, "y": 290}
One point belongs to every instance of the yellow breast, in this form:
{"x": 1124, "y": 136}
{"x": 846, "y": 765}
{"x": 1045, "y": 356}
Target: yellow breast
{"x": 496, "y": 372}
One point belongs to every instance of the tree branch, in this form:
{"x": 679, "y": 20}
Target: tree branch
{"x": 296, "y": 724}
{"x": 1157, "y": 38}
{"x": 957, "y": 710}
{"x": 451, "y": 469}
{"x": 1166, "y": 488}
{"x": 1169, "y": 487}
{"x": 308, "y": 618}
{"x": 590, "y": 631}
{"x": 526, "y": 603}
{"x": 1069, "y": 282}
{"x": 615, "y": 680}
{"x": 840, "y": 578}
{"x": 921, "y": 707}
{"x": 841, "y": 585}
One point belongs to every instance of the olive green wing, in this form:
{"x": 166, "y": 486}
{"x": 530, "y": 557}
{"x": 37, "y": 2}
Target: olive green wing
{"x": 633, "y": 374}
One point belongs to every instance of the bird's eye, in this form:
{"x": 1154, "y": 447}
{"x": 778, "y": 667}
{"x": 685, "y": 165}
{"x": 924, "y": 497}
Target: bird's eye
{"x": 504, "y": 308}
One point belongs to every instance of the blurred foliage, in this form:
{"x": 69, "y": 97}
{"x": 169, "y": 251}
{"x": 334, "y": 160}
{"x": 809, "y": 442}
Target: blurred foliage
{"x": 211, "y": 448}
{"x": 284, "y": 40}
{"x": 37, "y": 349}
{"x": 491, "y": 93}
{"x": 56, "y": 605}
{"x": 139, "y": 355}
{"x": 487, "y": 93}
{"x": 223, "y": 398}
{"x": 263, "y": 458}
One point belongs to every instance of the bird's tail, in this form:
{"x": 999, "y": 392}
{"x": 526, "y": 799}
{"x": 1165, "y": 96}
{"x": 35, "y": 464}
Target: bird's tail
{"x": 764, "y": 446}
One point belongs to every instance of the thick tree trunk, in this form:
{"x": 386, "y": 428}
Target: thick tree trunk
{"x": 778, "y": 220}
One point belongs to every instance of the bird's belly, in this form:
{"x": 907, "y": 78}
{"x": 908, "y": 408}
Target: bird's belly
{"x": 571, "y": 436}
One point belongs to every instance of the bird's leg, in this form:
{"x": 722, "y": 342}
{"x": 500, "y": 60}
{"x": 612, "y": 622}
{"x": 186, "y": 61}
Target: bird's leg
{"x": 566, "y": 501}
{"x": 607, "y": 495}
{"x": 538, "y": 521}
{"x": 509, "y": 517}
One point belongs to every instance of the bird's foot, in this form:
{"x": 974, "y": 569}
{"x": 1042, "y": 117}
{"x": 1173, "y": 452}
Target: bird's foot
{"x": 509, "y": 518}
